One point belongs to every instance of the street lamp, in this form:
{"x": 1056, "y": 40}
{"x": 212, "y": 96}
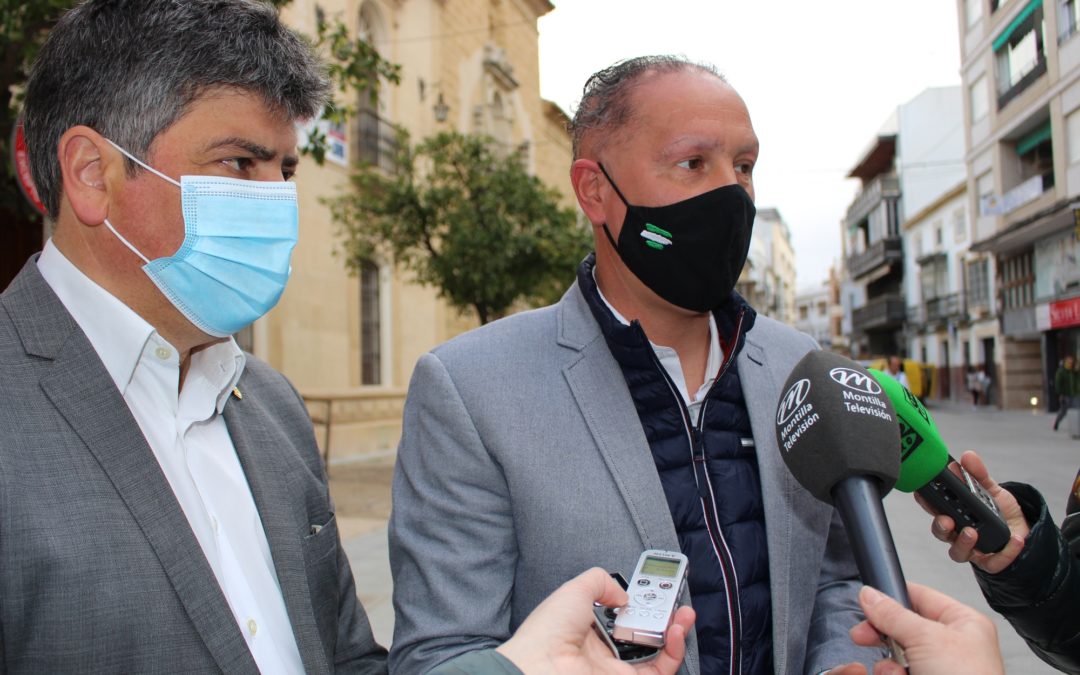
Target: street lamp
{"x": 441, "y": 109}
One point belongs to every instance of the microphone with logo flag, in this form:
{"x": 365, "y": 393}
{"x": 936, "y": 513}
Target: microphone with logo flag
{"x": 924, "y": 462}
{"x": 838, "y": 435}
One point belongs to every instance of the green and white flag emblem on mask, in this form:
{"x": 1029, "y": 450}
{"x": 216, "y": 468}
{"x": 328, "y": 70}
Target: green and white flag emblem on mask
{"x": 656, "y": 237}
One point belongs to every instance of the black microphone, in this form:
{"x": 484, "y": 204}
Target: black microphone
{"x": 838, "y": 435}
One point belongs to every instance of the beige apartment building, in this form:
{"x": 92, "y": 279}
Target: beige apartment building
{"x": 767, "y": 281}
{"x": 1020, "y": 64}
{"x": 348, "y": 342}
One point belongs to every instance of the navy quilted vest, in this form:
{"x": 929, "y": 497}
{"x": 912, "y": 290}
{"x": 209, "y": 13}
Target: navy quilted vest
{"x": 718, "y": 494}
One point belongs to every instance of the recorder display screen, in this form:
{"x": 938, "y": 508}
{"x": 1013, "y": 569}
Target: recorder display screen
{"x": 660, "y": 567}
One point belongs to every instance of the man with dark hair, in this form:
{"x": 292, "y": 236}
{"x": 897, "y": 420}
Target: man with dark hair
{"x": 636, "y": 413}
{"x": 163, "y": 504}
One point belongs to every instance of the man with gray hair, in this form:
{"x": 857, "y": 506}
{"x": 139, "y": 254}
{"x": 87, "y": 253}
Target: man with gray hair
{"x": 163, "y": 504}
{"x": 636, "y": 413}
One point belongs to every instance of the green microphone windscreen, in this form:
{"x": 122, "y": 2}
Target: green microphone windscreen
{"x": 922, "y": 452}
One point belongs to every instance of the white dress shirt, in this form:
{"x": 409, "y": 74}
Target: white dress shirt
{"x": 669, "y": 360}
{"x": 188, "y": 436}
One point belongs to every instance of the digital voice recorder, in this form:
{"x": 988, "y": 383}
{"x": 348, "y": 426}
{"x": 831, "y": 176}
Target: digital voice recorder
{"x": 654, "y": 592}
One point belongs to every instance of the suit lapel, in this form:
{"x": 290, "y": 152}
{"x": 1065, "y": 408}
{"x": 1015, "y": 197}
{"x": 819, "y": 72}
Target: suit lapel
{"x": 612, "y": 420}
{"x": 80, "y": 388}
{"x": 251, "y": 427}
{"x": 761, "y": 390}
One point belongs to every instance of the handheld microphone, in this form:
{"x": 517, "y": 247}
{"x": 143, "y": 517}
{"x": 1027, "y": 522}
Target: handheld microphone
{"x": 838, "y": 435}
{"x": 924, "y": 469}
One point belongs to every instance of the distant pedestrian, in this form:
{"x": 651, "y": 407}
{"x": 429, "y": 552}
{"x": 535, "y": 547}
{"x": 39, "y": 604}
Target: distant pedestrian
{"x": 1065, "y": 383}
{"x": 896, "y": 369}
{"x": 973, "y": 385}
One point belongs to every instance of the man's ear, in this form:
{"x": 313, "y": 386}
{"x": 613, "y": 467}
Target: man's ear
{"x": 587, "y": 180}
{"x": 87, "y": 163}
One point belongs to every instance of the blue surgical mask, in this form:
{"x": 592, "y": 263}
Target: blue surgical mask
{"x": 234, "y": 262}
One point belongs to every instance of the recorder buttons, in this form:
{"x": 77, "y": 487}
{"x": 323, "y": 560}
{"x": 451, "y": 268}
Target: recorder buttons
{"x": 649, "y": 598}
{"x": 666, "y": 585}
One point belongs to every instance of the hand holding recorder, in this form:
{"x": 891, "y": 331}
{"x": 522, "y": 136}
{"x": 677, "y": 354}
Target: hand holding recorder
{"x": 924, "y": 470}
{"x": 963, "y": 543}
{"x": 558, "y": 636}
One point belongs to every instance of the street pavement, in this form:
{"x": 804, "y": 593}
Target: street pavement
{"x": 1017, "y": 445}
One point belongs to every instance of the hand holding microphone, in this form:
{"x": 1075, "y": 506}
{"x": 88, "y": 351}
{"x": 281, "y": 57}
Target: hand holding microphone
{"x": 924, "y": 470}
{"x": 962, "y": 543}
{"x": 942, "y": 636}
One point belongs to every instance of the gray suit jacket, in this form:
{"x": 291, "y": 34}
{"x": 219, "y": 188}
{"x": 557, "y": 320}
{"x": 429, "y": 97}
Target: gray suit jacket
{"x": 99, "y": 570}
{"x": 523, "y": 462}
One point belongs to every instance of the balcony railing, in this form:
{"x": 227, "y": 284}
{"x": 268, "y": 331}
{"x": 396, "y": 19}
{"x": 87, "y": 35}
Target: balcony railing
{"x": 881, "y": 252}
{"x": 376, "y": 140}
{"x": 1023, "y": 83}
{"x": 935, "y": 311}
{"x": 886, "y": 311}
{"x": 870, "y": 196}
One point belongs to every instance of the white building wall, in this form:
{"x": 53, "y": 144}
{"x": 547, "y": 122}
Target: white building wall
{"x": 930, "y": 146}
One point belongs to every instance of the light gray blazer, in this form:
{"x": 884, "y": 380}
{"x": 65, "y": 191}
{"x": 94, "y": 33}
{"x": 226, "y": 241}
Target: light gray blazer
{"x": 99, "y": 570}
{"x": 523, "y": 462}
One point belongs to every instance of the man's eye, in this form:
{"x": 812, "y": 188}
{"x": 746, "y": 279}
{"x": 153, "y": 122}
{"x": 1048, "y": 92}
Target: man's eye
{"x": 745, "y": 168}
{"x": 691, "y": 164}
{"x": 239, "y": 164}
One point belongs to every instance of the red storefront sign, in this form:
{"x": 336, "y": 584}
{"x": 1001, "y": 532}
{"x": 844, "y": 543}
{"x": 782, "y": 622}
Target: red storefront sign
{"x": 1065, "y": 313}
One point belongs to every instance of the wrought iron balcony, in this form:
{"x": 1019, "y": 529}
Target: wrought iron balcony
{"x": 886, "y": 311}
{"x": 376, "y": 140}
{"x": 884, "y": 251}
{"x": 870, "y": 197}
{"x": 935, "y": 312}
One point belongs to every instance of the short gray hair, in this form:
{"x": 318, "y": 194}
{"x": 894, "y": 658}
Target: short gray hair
{"x": 605, "y": 98}
{"x": 129, "y": 69}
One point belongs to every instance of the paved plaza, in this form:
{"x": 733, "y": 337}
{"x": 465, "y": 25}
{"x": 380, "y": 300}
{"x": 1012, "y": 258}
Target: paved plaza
{"x": 1016, "y": 445}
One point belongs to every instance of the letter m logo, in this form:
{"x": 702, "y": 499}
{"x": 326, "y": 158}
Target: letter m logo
{"x": 791, "y": 401}
{"x": 863, "y": 383}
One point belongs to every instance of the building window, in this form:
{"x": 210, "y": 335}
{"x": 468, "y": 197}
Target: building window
{"x": 959, "y": 225}
{"x": 1072, "y": 131}
{"x": 1035, "y": 155}
{"x": 978, "y": 284}
{"x": 1018, "y": 281}
{"x": 1068, "y": 18}
{"x": 984, "y": 188}
{"x": 822, "y": 308}
{"x": 934, "y": 274}
{"x": 804, "y": 312}
{"x": 979, "y": 99}
{"x": 376, "y": 138}
{"x": 939, "y": 237}
{"x": 973, "y": 10}
{"x": 370, "y": 329}
{"x": 1020, "y": 53}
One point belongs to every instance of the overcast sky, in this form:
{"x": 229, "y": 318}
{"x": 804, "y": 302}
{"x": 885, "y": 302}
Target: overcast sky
{"x": 820, "y": 78}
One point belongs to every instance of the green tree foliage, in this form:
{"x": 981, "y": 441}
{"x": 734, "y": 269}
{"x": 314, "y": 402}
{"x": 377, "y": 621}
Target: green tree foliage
{"x": 354, "y": 65}
{"x": 23, "y": 26}
{"x": 465, "y": 218}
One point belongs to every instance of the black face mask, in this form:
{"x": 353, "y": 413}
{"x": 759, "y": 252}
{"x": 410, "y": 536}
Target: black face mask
{"x": 690, "y": 253}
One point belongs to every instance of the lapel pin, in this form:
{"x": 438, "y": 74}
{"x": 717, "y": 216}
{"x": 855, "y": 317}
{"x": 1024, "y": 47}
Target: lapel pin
{"x": 237, "y": 394}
